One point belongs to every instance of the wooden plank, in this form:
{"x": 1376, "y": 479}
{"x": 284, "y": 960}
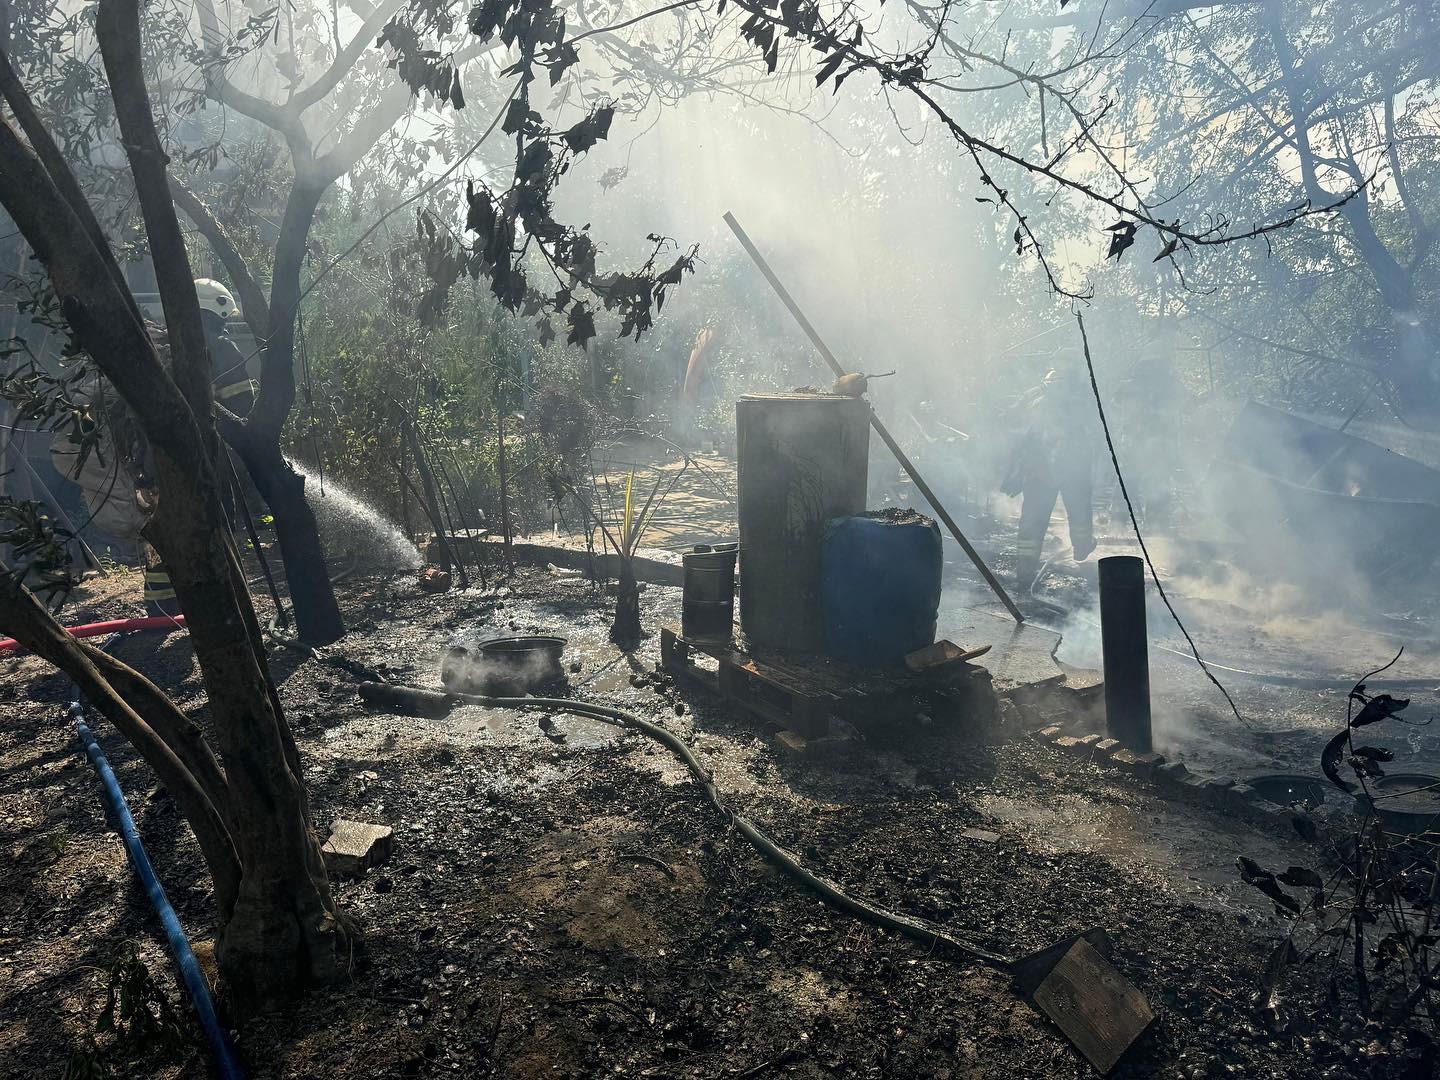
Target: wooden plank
{"x": 1097, "y": 1008}
{"x": 1029, "y": 971}
{"x": 940, "y": 654}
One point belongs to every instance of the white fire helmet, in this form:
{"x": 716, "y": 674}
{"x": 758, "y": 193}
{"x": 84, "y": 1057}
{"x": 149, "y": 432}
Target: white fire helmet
{"x": 215, "y": 297}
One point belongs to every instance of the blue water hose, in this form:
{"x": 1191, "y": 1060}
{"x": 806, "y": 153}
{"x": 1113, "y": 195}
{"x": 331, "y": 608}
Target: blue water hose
{"x": 215, "y": 1033}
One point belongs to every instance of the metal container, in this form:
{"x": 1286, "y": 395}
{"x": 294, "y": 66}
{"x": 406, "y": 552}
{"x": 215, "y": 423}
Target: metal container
{"x": 708, "y": 598}
{"x": 1407, "y": 803}
{"x": 1286, "y": 789}
{"x": 504, "y": 666}
{"x": 1126, "y": 647}
{"x": 802, "y": 460}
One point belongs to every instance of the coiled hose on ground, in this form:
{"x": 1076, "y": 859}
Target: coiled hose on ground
{"x": 226, "y": 1061}
{"x": 435, "y": 704}
{"x": 109, "y": 626}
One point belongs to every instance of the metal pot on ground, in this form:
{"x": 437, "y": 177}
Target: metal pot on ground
{"x": 510, "y": 666}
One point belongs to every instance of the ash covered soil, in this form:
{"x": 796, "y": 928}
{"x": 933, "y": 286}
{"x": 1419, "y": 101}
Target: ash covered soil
{"x": 564, "y": 903}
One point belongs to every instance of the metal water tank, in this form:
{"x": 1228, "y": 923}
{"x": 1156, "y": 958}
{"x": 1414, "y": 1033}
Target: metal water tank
{"x": 802, "y": 461}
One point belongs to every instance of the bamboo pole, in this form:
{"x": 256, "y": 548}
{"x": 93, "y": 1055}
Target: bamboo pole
{"x": 504, "y": 492}
{"x": 880, "y": 429}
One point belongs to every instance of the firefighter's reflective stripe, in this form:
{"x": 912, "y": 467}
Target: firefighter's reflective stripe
{"x": 157, "y": 585}
{"x": 235, "y": 389}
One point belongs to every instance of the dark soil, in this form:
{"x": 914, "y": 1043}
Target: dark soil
{"x": 562, "y": 903}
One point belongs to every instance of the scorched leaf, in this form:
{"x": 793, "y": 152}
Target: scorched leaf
{"x": 1330, "y": 759}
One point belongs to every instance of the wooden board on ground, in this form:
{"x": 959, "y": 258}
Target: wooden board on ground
{"x": 940, "y": 654}
{"x": 1097, "y": 1008}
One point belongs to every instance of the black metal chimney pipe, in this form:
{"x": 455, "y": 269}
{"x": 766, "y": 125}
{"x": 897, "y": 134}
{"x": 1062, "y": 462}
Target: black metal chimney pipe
{"x": 1127, "y": 659}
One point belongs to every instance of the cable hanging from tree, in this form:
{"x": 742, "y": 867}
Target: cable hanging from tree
{"x": 1139, "y": 536}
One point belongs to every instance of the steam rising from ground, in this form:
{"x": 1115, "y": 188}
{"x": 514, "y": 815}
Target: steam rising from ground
{"x": 870, "y": 215}
{"x": 467, "y": 668}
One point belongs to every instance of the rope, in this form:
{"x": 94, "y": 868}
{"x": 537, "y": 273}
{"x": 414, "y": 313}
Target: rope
{"x": 1135, "y": 525}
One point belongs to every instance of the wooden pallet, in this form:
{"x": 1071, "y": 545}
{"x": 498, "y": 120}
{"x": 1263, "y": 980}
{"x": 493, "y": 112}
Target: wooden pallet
{"x": 798, "y": 696}
{"x": 771, "y": 691}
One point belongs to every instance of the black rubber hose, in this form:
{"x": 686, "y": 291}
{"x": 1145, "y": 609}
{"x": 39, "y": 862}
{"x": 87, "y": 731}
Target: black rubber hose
{"x": 344, "y": 663}
{"x": 434, "y": 704}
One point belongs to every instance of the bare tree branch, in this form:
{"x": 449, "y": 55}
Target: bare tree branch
{"x": 253, "y": 305}
{"x": 345, "y": 59}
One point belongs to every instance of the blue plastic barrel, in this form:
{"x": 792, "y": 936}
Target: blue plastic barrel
{"x": 879, "y": 586}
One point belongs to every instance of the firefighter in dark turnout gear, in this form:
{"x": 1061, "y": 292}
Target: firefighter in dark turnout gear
{"x": 234, "y": 391}
{"x": 1054, "y": 460}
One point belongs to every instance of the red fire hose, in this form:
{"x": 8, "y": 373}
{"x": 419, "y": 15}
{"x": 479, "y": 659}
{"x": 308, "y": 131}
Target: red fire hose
{"x": 111, "y": 626}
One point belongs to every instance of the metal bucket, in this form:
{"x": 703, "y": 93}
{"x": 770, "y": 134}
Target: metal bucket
{"x": 707, "y": 608}
{"x": 1407, "y": 803}
{"x": 504, "y": 666}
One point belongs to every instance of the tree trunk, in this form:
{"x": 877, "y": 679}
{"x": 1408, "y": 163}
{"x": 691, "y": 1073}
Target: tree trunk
{"x": 284, "y": 931}
{"x": 432, "y": 504}
{"x": 317, "y": 614}
{"x": 625, "y": 631}
{"x": 312, "y": 599}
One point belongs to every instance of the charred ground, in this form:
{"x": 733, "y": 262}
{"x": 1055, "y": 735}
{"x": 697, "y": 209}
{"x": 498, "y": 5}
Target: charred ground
{"x": 563, "y": 903}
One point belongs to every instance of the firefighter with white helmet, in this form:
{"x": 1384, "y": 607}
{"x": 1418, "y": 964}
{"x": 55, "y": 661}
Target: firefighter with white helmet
{"x": 116, "y": 489}
{"x": 234, "y": 389}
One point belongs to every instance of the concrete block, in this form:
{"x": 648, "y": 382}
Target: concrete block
{"x": 1245, "y": 793}
{"x": 1197, "y": 786}
{"x": 354, "y": 847}
{"x": 1172, "y": 770}
{"x": 1089, "y": 742}
{"x": 984, "y": 836}
{"x": 789, "y": 740}
{"x": 1069, "y": 742}
{"x": 1107, "y": 746}
{"x": 1049, "y": 734}
{"x": 1219, "y": 788}
{"x": 1140, "y": 764}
